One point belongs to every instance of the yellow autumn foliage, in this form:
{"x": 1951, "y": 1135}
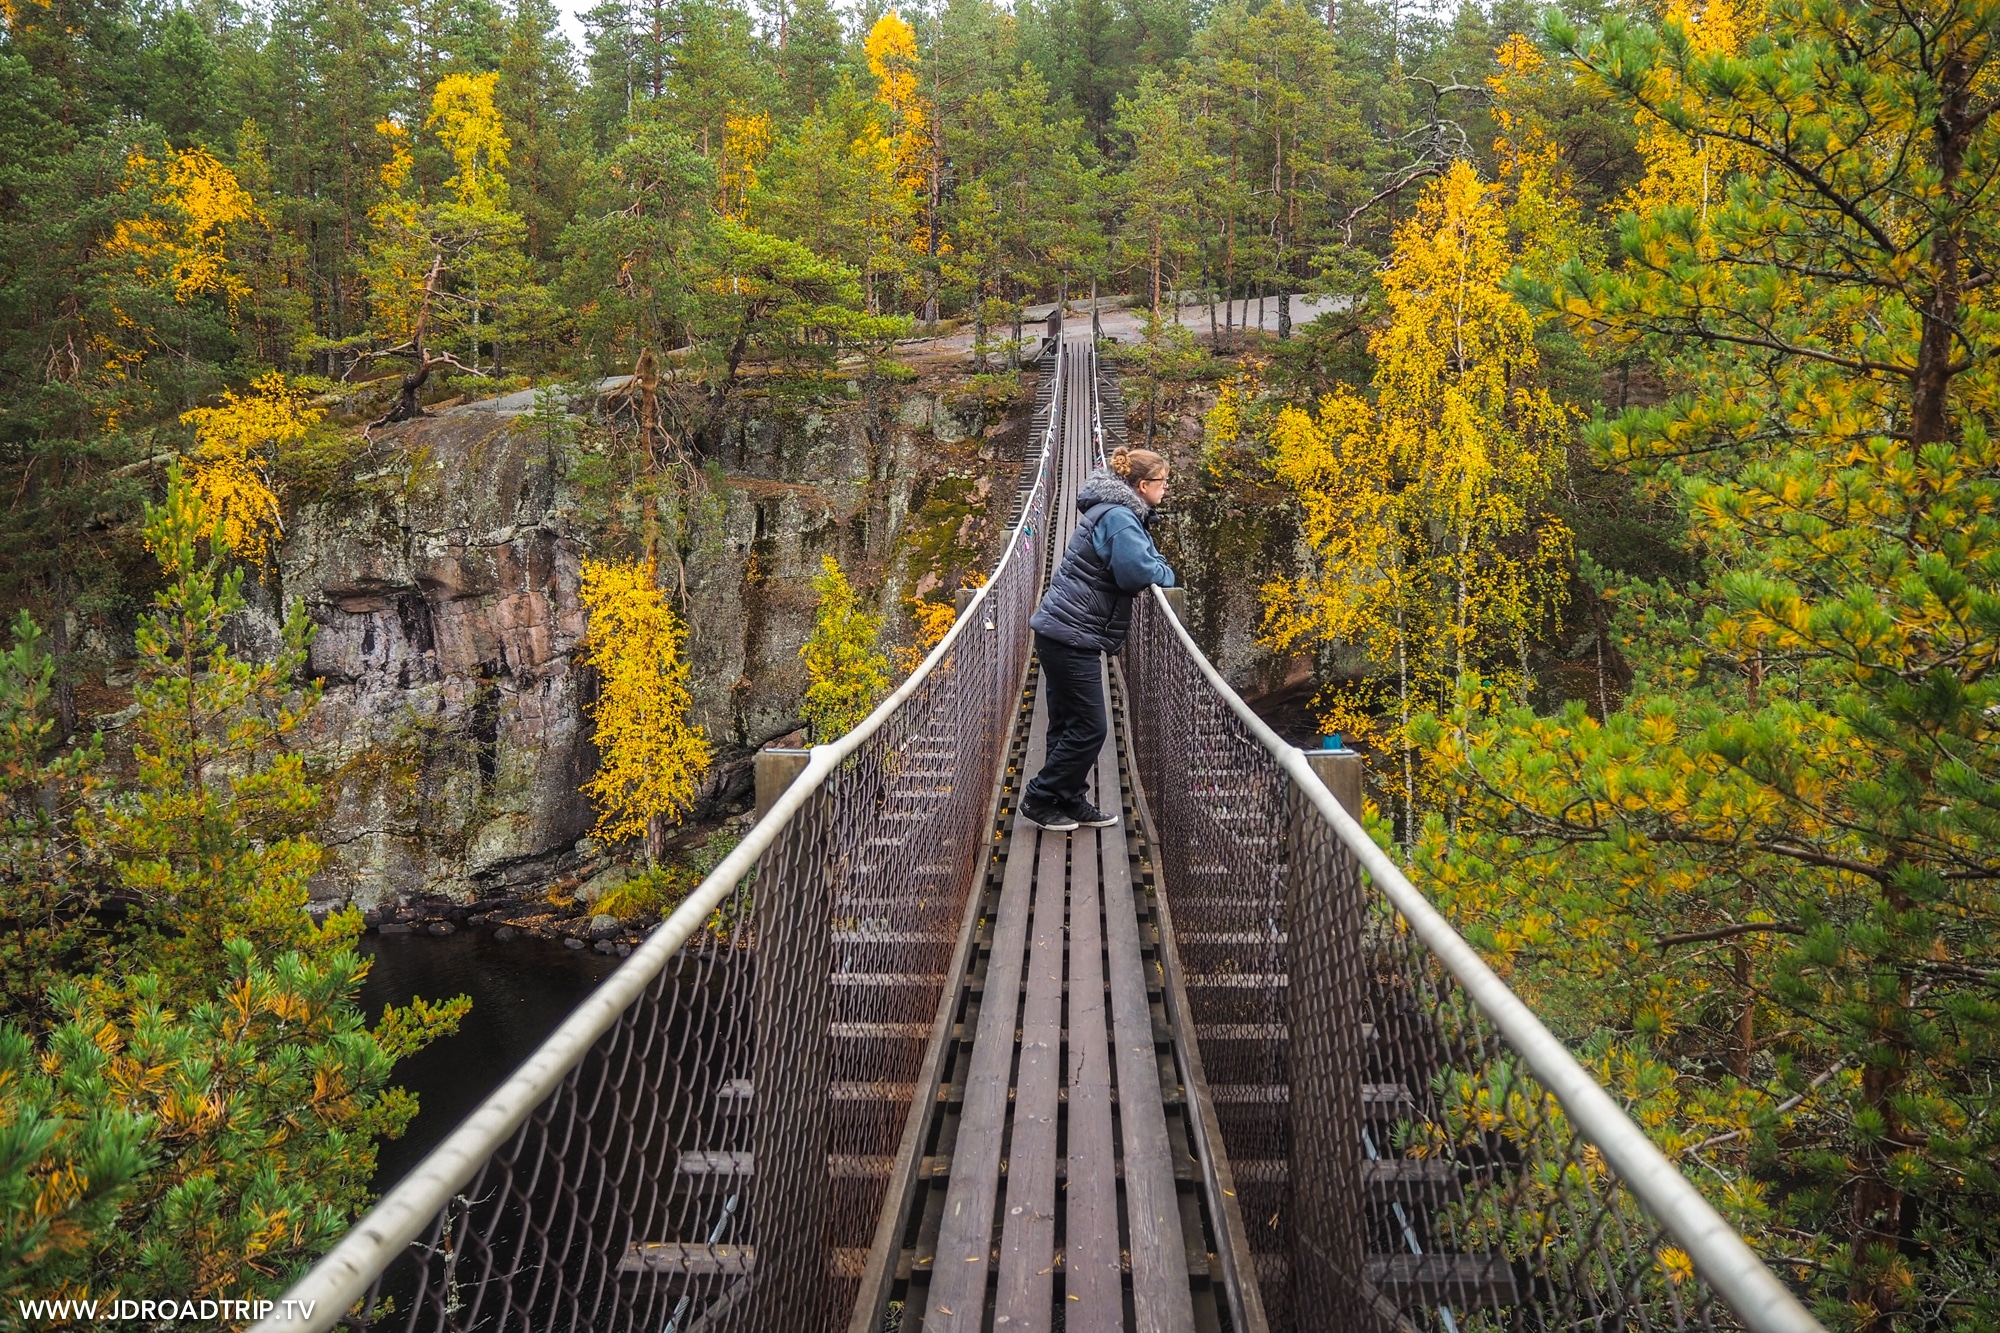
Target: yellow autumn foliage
{"x": 182, "y": 240}
{"x": 891, "y": 46}
{"x": 230, "y": 468}
{"x": 651, "y": 755}
{"x": 933, "y": 620}
{"x": 908, "y": 155}
{"x": 1683, "y": 168}
{"x": 745, "y": 141}
{"x": 179, "y": 245}
{"x": 846, "y": 673}
{"x": 1542, "y": 209}
{"x": 1427, "y": 510}
{"x": 469, "y": 125}
{"x": 397, "y": 265}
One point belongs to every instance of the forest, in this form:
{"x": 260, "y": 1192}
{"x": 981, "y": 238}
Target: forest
{"x": 1645, "y": 501}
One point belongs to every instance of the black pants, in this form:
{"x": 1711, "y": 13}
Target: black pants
{"x": 1073, "y": 683}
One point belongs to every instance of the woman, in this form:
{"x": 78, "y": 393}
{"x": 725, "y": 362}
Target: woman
{"x": 1084, "y": 615}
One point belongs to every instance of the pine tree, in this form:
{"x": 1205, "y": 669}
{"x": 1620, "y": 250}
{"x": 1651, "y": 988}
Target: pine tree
{"x": 1160, "y": 187}
{"x": 1770, "y": 872}
{"x": 47, "y": 888}
{"x": 537, "y": 99}
{"x": 213, "y": 838}
{"x": 193, "y": 1101}
{"x": 1039, "y": 176}
{"x": 811, "y": 54}
{"x": 653, "y": 265}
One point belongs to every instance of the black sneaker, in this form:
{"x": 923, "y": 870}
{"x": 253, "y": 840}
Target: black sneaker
{"x": 1088, "y": 815}
{"x": 1050, "y": 818}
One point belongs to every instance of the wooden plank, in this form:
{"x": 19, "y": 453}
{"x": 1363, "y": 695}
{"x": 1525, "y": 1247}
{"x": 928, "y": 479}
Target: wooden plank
{"x": 887, "y": 980}
{"x": 1093, "y": 1286}
{"x": 1412, "y": 1179}
{"x": 1223, "y": 938}
{"x": 855, "y": 1090}
{"x": 1257, "y": 981}
{"x": 957, "y": 1299}
{"x": 1025, "y": 1294}
{"x": 717, "y": 1162}
{"x": 688, "y": 1257}
{"x": 858, "y": 1031}
{"x": 1240, "y": 1031}
{"x": 1476, "y": 1280}
{"x": 852, "y": 937}
{"x": 1161, "y": 1302}
{"x": 735, "y": 1097}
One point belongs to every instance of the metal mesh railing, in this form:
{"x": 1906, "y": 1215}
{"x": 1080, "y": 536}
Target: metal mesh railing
{"x": 706, "y": 1143}
{"x": 1410, "y": 1148}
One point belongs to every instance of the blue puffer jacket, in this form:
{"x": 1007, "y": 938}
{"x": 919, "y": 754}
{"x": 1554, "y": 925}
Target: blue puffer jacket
{"x": 1110, "y": 557}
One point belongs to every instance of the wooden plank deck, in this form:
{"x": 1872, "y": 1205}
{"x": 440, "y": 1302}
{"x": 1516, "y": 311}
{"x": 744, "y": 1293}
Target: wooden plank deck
{"x": 1092, "y": 1280}
{"x": 1067, "y": 925}
{"x": 1160, "y": 1299}
{"x": 965, "y": 1236}
{"x": 1028, "y": 1228}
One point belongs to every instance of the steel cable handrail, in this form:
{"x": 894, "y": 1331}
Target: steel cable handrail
{"x": 345, "y": 1274}
{"x": 1720, "y": 1256}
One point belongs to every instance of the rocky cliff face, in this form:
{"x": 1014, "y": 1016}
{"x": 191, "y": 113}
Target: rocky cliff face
{"x": 443, "y": 578}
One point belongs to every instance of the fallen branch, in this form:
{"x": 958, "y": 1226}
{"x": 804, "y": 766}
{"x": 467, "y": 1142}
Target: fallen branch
{"x": 155, "y": 461}
{"x": 1728, "y": 932}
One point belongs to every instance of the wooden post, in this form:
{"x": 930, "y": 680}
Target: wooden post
{"x": 793, "y": 1073}
{"x": 1177, "y": 602}
{"x": 1324, "y": 1004}
{"x": 962, "y": 599}
{"x": 1341, "y": 771}
{"x": 776, "y": 770}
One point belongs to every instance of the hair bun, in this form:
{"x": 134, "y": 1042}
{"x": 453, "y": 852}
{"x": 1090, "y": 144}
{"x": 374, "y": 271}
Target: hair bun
{"x": 1136, "y": 465}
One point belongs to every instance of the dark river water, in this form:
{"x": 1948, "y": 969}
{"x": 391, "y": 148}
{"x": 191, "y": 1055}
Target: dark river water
{"x": 520, "y": 991}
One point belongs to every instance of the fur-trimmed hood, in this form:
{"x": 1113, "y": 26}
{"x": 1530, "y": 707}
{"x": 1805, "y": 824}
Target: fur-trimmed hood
{"x": 1103, "y": 486}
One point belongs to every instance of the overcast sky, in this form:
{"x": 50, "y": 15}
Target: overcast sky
{"x": 572, "y": 24}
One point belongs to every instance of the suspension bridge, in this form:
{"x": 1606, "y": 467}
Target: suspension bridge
{"x": 907, "y": 1062}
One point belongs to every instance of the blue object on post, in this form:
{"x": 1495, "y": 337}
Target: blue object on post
{"x": 1332, "y": 742}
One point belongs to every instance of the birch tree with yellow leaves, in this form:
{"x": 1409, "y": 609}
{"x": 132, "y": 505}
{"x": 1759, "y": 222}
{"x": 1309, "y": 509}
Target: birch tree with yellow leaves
{"x": 436, "y": 267}
{"x": 1428, "y": 510}
{"x": 175, "y": 255}
{"x": 231, "y": 466}
{"x": 651, "y": 754}
{"x": 846, "y": 672}
{"x": 914, "y": 158}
